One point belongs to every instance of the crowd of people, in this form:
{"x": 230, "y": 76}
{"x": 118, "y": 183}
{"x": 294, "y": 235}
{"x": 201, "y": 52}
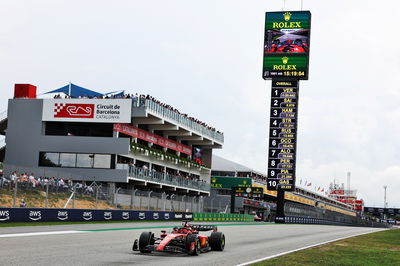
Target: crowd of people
{"x": 142, "y": 96}
{"x": 179, "y": 174}
{"x": 169, "y": 107}
{"x": 28, "y": 181}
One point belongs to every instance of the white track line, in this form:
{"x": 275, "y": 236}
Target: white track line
{"x": 40, "y": 233}
{"x": 298, "y": 249}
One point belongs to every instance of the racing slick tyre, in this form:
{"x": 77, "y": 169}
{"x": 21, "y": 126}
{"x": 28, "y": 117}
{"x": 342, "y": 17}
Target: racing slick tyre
{"x": 145, "y": 239}
{"x": 193, "y": 238}
{"x": 217, "y": 241}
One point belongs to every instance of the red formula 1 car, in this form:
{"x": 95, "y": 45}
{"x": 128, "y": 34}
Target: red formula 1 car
{"x": 184, "y": 239}
{"x": 288, "y": 46}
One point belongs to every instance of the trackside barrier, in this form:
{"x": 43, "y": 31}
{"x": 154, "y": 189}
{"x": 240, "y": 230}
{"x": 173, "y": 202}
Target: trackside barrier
{"x": 81, "y": 215}
{"x": 222, "y": 217}
{"x": 306, "y": 220}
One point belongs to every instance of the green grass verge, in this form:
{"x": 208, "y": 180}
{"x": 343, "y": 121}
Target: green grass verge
{"x": 381, "y": 248}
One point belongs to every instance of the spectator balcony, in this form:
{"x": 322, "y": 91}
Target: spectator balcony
{"x": 166, "y": 181}
{"x": 180, "y": 120}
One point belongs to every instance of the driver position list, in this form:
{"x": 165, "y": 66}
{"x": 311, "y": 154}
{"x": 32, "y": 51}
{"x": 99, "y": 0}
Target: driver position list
{"x": 282, "y": 135}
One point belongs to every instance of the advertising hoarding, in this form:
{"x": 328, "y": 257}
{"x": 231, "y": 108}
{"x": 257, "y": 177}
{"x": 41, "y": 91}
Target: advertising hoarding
{"x": 286, "y": 44}
{"x": 152, "y": 138}
{"x": 87, "y": 110}
{"x": 226, "y": 182}
{"x": 248, "y": 192}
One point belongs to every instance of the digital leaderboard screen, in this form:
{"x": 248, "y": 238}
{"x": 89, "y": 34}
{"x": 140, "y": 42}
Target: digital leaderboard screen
{"x": 282, "y": 135}
{"x": 248, "y": 192}
{"x": 286, "y": 44}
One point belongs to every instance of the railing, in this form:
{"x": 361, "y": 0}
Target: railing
{"x": 174, "y": 180}
{"x": 3, "y": 116}
{"x": 165, "y": 112}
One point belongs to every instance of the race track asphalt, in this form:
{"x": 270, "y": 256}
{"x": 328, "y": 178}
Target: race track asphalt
{"x": 110, "y": 244}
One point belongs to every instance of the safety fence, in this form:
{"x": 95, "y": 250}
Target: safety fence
{"x": 46, "y": 192}
{"x": 308, "y": 220}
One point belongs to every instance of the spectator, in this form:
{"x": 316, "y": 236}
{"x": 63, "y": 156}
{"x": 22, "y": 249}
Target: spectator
{"x": 22, "y": 203}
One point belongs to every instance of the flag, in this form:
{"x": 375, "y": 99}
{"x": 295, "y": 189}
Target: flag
{"x": 323, "y": 190}
{"x": 300, "y": 181}
{"x": 319, "y": 188}
{"x": 309, "y": 184}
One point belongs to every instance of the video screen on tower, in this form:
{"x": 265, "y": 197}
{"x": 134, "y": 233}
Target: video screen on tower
{"x": 286, "y": 44}
{"x": 198, "y": 155}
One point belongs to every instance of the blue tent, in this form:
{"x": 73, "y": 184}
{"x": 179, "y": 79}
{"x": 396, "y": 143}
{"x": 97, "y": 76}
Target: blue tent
{"x": 75, "y": 91}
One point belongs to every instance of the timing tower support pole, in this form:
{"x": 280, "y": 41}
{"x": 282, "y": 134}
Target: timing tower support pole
{"x": 280, "y": 207}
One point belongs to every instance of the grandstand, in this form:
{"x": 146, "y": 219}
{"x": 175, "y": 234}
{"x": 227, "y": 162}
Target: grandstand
{"x": 121, "y": 140}
{"x": 300, "y": 202}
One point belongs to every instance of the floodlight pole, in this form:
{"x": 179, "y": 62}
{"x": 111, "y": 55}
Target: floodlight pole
{"x": 384, "y": 202}
{"x": 384, "y": 198}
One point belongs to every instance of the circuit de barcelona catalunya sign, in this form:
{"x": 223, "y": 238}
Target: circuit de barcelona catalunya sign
{"x": 87, "y": 110}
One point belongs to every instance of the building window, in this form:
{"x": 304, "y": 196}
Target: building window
{"x": 84, "y": 160}
{"x": 50, "y": 159}
{"x": 76, "y": 160}
{"x": 102, "y": 161}
{"x": 67, "y": 159}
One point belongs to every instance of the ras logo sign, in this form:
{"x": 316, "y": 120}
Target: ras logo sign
{"x": 35, "y": 215}
{"x": 73, "y": 110}
{"x": 166, "y": 216}
{"x": 4, "y": 216}
{"x": 155, "y": 216}
{"x": 142, "y": 215}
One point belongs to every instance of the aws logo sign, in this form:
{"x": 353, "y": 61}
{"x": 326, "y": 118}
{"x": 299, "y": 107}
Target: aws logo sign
{"x": 87, "y": 216}
{"x": 35, "y": 215}
{"x": 125, "y": 215}
{"x": 4, "y": 216}
{"x": 108, "y": 215}
{"x": 62, "y": 215}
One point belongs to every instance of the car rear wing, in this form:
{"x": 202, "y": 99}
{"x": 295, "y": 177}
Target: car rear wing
{"x": 202, "y": 227}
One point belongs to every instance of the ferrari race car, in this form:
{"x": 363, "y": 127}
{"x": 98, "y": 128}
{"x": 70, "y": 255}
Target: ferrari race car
{"x": 183, "y": 239}
{"x": 288, "y": 46}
